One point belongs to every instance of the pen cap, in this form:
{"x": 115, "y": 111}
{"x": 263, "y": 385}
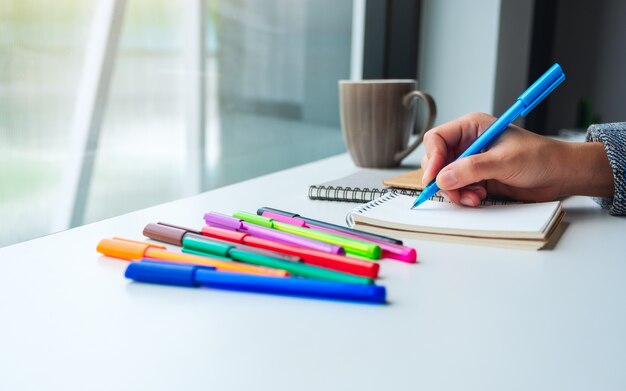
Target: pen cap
{"x": 207, "y": 246}
{"x": 254, "y": 219}
{"x": 163, "y": 273}
{"x": 542, "y": 88}
{"x": 124, "y": 248}
{"x": 164, "y": 233}
{"x": 221, "y": 220}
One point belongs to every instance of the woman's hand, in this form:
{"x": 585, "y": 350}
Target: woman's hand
{"x": 520, "y": 165}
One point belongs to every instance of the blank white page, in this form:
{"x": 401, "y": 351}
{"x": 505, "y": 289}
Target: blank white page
{"x": 512, "y": 220}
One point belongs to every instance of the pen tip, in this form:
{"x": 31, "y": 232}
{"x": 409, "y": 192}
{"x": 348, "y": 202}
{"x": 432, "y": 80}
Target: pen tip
{"x": 417, "y": 202}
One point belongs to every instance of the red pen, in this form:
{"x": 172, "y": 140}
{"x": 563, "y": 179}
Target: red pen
{"x": 313, "y": 257}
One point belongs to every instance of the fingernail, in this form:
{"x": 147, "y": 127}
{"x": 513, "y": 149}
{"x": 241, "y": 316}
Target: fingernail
{"x": 444, "y": 195}
{"x": 447, "y": 179}
{"x": 467, "y": 201}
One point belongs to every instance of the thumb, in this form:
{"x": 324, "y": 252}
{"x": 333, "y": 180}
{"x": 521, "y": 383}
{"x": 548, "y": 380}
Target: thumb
{"x": 468, "y": 170}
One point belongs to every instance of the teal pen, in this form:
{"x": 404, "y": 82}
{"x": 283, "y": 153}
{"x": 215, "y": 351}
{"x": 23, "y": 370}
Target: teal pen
{"x": 201, "y": 245}
{"x": 524, "y": 104}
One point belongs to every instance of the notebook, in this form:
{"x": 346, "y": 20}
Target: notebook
{"x": 520, "y": 225}
{"x": 362, "y": 186}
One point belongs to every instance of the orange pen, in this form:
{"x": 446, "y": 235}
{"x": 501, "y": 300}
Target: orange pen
{"x": 133, "y": 250}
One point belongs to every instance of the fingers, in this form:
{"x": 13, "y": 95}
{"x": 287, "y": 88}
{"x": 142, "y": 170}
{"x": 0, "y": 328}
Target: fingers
{"x": 432, "y": 165}
{"x": 443, "y": 143}
{"x": 471, "y": 196}
{"x": 470, "y": 170}
{"x": 468, "y": 196}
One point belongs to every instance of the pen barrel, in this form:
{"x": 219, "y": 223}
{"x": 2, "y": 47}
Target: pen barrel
{"x": 223, "y": 246}
{"x": 299, "y": 269}
{"x": 329, "y": 261}
{"x": 234, "y": 223}
{"x": 194, "y": 276}
{"x": 365, "y": 235}
{"x": 496, "y": 129}
{"x": 292, "y": 239}
{"x": 200, "y": 246}
{"x": 291, "y": 286}
{"x": 351, "y": 246}
{"x": 199, "y": 260}
{"x": 319, "y": 223}
{"x": 389, "y": 250}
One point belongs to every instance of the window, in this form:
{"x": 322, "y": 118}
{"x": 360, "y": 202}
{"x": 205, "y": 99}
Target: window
{"x": 266, "y": 86}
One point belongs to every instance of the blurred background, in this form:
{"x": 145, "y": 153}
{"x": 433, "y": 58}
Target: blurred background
{"x": 259, "y": 82}
{"x": 109, "y": 106}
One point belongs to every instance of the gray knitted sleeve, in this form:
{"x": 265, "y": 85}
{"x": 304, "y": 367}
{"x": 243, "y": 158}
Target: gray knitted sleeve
{"x": 613, "y": 136}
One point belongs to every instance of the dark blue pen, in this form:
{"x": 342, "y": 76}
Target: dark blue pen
{"x": 524, "y": 104}
{"x": 320, "y": 223}
{"x": 201, "y": 276}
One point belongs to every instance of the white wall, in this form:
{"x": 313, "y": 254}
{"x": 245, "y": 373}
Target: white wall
{"x": 458, "y": 55}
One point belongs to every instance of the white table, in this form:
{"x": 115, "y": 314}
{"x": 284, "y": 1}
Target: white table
{"x": 464, "y": 318}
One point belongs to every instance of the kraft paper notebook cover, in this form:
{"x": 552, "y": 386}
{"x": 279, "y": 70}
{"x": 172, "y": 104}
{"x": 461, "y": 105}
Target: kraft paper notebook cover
{"x": 409, "y": 180}
{"x": 519, "y": 225}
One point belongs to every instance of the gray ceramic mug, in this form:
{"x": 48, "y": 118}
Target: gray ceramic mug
{"x": 378, "y": 118}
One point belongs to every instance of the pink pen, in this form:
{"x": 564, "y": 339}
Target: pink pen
{"x": 393, "y": 251}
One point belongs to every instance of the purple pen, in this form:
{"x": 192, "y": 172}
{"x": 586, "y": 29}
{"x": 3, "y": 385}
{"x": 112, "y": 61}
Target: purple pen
{"x": 223, "y": 221}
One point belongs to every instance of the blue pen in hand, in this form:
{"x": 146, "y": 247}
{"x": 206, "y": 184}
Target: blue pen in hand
{"x": 524, "y": 104}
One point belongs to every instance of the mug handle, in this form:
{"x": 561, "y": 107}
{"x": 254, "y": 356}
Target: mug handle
{"x": 429, "y": 120}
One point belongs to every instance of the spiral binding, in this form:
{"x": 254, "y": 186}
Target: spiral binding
{"x": 393, "y": 192}
{"x": 372, "y": 204}
{"x": 353, "y": 194}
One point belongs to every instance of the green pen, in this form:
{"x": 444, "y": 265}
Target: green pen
{"x": 352, "y": 246}
{"x": 199, "y": 245}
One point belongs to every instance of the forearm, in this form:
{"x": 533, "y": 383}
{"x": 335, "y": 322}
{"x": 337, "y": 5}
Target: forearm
{"x": 586, "y": 170}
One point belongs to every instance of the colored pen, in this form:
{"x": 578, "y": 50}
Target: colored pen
{"x": 134, "y": 250}
{"x": 202, "y": 245}
{"x": 330, "y": 261}
{"x": 318, "y": 223}
{"x": 389, "y": 250}
{"x": 194, "y": 276}
{"x": 351, "y": 246}
{"x": 522, "y": 106}
{"x": 174, "y": 234}
{"x": 224, "y": 221}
